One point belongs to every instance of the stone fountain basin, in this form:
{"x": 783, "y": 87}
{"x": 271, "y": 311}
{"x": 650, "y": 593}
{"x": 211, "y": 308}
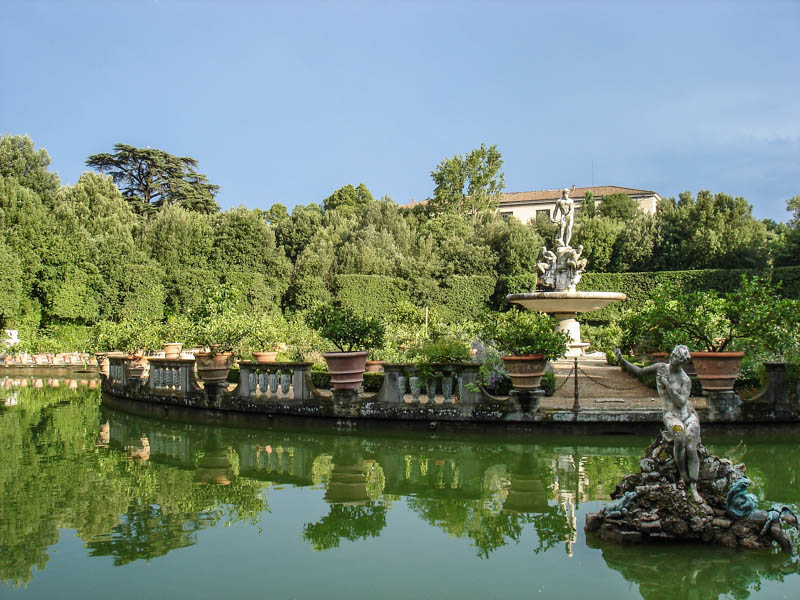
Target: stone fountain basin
{"x": 565, "y": 302}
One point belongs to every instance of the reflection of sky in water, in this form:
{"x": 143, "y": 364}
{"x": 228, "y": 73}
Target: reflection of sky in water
{"x": 206, "y": 512}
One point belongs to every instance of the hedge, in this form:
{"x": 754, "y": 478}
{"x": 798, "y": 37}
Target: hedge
{"x": 370, "y": 295}
{"x": 375, "y": 295}
{"x": 466, "y": 295}
{"x": 638, "y": 286}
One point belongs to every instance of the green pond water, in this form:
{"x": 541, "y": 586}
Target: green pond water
{"x": 98, "y": 503}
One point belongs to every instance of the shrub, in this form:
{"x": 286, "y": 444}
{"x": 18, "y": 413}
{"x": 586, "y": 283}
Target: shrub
{"x": 521, "y": 332}
{"x": 345, "y": 329}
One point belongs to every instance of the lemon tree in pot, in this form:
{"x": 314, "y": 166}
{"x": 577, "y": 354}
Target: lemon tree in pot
{"x": 132, "y": 337}
{"x": 221, "y": 326}
{"x": 434, "y": 360}
{"x": 353, "y": 336}
{"x": 707, "y": 322}
{"x": 266, "y": 335}
{"x": 528, "y": 340}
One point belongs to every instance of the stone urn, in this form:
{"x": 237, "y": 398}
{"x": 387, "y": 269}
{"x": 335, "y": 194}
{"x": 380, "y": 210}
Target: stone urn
{"x": 265, "y": 357}
{"x": 172, "y": 350}
{"x": 213, "y": 367}
{"x": 525, "y": 371}
{"x": 717, "y": 371}
{"x": 346, "y": 369}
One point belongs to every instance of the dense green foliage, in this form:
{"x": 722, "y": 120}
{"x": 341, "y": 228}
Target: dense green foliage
{"x": 522, "y": 332}
{"x": 73, "y": 257}
{"x": 639, "y": 286}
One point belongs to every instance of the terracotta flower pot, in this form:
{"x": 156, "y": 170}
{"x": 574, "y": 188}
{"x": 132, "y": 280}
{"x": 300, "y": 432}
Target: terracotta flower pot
{"x": 375, "y": 366}
{"x": 265, "y": 357}
{"x": 717, "y": 371}
{"x": 172, "y": 350}
{"x": 525, "y": 371}
{"x": 213, "y": 368}
{"x": 346, "y": 369}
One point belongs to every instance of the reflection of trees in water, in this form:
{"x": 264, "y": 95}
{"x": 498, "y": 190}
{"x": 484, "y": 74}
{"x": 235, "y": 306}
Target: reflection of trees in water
{"x": 488, "y": 490}
{"x": 53, "y": 475}
{"x": 695, "y": 573}
{"x": 472, "y": 519}
{"x": 346, "y": 522}
{"x": 146, "y": 532}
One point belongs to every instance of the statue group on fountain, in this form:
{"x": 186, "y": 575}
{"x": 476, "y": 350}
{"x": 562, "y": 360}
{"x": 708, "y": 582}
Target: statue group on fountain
{"x": 561, "y": 270}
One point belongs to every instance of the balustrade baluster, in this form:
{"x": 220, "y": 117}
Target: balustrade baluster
{"x": 447, "y": 387}
{"x": 262, "y": 382}
{"x": 285, "y": 379}
{"x": 273, "y": 383}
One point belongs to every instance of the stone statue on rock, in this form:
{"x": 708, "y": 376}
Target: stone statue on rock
{"x": 682, "y": 491}
{"x": 679, "y": 417}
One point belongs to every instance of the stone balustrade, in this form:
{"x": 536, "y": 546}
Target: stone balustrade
{"x": 171, "y": 376}
{"x": 278, "y": 381}
{"x": 446, "y": 385}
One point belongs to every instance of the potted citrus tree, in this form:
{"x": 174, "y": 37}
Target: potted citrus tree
{"x": 223, "y": 335}
{"x": 130, "y": 337}
{"x": 528, "y": 340}
{"x": 712, "y": 325}
{"x": 353, "y": 336}
{"x": 265, "y": 337}
{"x": 176, "y": 327}
{"x": 437, "y": 356}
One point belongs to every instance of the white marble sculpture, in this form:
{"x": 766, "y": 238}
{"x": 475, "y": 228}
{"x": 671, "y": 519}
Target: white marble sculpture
{"x": 564, "y": 215}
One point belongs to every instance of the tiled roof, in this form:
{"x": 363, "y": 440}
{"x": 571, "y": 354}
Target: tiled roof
{"x": 574, "y": 193}
{"x": 544, "y": 195}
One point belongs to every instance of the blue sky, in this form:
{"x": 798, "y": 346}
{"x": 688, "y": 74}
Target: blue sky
{"x": 287, "y": 101}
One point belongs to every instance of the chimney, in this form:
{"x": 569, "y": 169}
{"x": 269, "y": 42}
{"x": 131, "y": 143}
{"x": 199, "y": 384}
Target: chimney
{"x": 573, "y": 186}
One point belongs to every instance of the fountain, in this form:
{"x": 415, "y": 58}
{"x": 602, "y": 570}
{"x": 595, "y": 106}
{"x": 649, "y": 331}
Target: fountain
{"x": 559, "y": 274}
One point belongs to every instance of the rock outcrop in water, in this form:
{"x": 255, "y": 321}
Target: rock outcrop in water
{"x": 654, "y": 505}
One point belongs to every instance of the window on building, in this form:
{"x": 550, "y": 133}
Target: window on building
{"x": 543, "y": 211}
{"x": 506, "y": 214}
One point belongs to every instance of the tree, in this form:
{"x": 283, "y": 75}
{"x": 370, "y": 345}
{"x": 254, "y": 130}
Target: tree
{"x": 588, "y": 208}
{"x": 10, "y": 284}
{"x": 356, "y": 197}
{"x": 788, "y": 251}
{"x": 598, "y": 235}
{"x": 468, "y": 186}
{"x": 20, "y": 160}
{"x": 151, "y": 178}
{"x": 618, "y": 206}
{"x": 708, "y": 232}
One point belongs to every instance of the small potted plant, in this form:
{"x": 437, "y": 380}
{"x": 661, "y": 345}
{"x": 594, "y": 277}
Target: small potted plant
{"x": 528, "y": 340}
{"x": 353, "y": 336}
{"x": 265, "y": 337}
{"x": 177, "y": 327}
{"x": 223, "y": 335}
{"x": 437, "y": 356}
{"x": 132, "y": 337}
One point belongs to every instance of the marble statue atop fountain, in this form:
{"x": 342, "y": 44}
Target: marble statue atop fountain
{"x": 560, "y": 271}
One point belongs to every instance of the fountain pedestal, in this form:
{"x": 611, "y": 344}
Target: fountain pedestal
{"x": 565, "y": 306}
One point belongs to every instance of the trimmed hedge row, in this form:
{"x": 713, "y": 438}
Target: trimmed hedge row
{"x": 370, "y": 295}
{"x": 638, "y": 286}
{"x": 376, "y": 295}
{"x": 467, "y": 295}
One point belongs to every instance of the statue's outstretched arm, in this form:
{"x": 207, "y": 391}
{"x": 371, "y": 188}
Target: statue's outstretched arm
{"x": 631, "y": 368}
